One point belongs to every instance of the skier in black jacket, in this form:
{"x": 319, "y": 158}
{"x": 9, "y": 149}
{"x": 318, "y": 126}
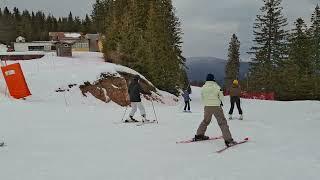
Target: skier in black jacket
{"x": 134, "y": 91}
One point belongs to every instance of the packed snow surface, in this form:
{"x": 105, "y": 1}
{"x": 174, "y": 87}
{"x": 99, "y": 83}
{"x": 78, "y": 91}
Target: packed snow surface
{"x": 65, "y": 136}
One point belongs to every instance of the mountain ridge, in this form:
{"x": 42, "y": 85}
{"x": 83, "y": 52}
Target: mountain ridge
{"x": 199, "y": 67}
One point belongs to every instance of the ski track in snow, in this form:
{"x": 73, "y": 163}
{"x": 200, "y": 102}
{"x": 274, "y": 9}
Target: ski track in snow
{"x": 49, "y": 139}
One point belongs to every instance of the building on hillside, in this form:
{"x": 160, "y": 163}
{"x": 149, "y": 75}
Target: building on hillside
{"x": 93, "y": 42}
{"x": 23, "y": 50}
{"x": 20, "y": 39}
{"x": 81, "y": 45}
{"x": 46, "y": 46}
{"x": 81, "y": 42}
{"x": 3, "y": 48}
{"x": 65, "y": 36}
{"x": 64, "y": 49}
{"x": 78, "y": 40}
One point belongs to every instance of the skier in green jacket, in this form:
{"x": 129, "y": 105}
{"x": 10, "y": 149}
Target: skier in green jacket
{"x": 212, "y": 96}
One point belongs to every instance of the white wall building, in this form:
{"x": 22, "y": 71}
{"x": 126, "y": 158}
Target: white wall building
{"x": 34, "y": 46}
{"x": 3, "y": 48}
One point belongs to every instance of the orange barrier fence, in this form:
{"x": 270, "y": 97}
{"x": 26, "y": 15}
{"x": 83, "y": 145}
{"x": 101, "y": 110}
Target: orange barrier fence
{"x": 15, "y": 80}
{"x": 256, "y": 95}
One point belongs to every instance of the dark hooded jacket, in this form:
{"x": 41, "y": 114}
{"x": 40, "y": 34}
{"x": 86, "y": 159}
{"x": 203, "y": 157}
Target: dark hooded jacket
{"x": 186, "y": 96}
{"x": 135, "y": 89}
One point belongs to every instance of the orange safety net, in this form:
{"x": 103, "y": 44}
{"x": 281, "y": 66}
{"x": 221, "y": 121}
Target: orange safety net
{"x": 15, "y": 80}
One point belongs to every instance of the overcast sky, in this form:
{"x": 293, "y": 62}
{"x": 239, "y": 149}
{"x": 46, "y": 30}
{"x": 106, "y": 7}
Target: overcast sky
{"x": 207, "y": 24}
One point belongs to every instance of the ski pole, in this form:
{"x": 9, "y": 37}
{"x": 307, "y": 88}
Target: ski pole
{"x": 154, "y": 111}
{"x": 65, "y": 99}
{"x": 125, "y": 112}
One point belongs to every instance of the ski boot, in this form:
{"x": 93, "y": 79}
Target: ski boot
{"x": 230, "y": 143}
{"x": 131, "y": 120}
{"x": 200, "y": 138}
{"x": 144, "y": 119}
{"x": 241, "y": 117}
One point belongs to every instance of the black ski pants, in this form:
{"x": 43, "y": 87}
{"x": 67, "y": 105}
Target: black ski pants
{"x": 187, "y": 104}
{"x": 235, "y": 100}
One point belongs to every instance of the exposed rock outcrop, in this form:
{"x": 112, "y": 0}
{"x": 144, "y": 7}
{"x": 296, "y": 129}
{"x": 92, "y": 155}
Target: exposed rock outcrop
{"x": 114, "y": 87}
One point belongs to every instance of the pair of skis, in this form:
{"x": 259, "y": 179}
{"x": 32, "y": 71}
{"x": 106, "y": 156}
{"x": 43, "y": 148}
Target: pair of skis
{"x": 236, "y": 119}
{"x": 140, "y": 123}
{"x": 239, "y": 142}
{"x": 216, "y": 138}
{"x": 192, "y": 140}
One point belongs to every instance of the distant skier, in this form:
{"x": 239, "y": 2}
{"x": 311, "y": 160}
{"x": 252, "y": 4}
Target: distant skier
{"x": 235, "y": 93}
{"x": 212, "y": 96}
{"x": 134, "y": 91}
{"x": 187, "y": 99}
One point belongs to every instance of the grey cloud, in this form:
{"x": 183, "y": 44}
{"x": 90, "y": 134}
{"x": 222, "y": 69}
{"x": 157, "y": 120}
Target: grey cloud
{"x": 209, "y": 24}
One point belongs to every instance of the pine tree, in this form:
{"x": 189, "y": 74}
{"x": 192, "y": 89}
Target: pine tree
{"x": 298, "y": 69}
{"x": 7, "y": 27}
{"x": 175, "y": 40}
{"x": 77, "y": 27}
{"x": 59, "y": 22}
{"x": 123, "y": 32}
{"x": 300, "y": 48}
{"x": 65, "y": 25}
{"x": 97, "y": 15}
{"x": 35, "y": 26}
{"x": 17, "y": 21}
{"x": 132, "y": 36}
{"x": 55, "y": 25}
{"x": 315, "y": 36}
{"x": 152, "y": 40}
{"x": 6, "y": 12}
{"x": 163, "y": 38}
{"x": 233, "y": 64}
{"x": 87, "y": 26}
{"x": 270, "y": 47}
{"x": 315, "y": 33}
{"x": 71, "y": 24}
{"x": 26, "y": 25}
{"x": 112, "y": 43}
{"x": 102, "y": 14}
{"x": 16, "y": 14}
{"x": 146, "y": 36}
{"x": 39, "y": 28}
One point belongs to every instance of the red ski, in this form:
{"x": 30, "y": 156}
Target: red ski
{"x": 240, "y": 142}
{"x": 192, "y": 140}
